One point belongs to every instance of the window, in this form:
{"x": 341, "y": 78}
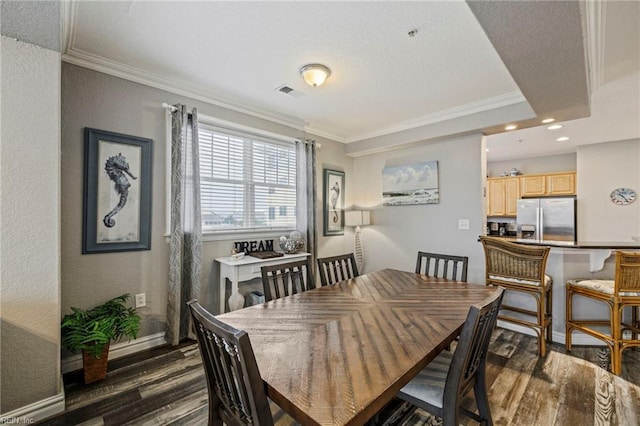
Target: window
{"x": 245, "y": 180}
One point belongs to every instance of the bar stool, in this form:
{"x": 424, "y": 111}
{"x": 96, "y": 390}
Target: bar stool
{"x": 620, "y": 293}
{"x": 521, "y": 268}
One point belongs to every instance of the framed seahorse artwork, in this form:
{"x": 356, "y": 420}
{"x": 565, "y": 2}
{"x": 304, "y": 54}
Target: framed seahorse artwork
{"x": 333, "y": 208}
{"x": 117, "y": 192}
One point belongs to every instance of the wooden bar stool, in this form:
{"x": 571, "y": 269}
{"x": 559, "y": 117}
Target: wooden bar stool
{"x": 620, "y": 293}
{"x": 521, "y": 268}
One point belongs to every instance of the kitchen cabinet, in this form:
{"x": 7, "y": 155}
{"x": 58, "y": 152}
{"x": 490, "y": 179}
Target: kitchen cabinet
{"x": 549, "y": 184}
{"x": 503, "y": 193}
{"x": 502, "y": 196}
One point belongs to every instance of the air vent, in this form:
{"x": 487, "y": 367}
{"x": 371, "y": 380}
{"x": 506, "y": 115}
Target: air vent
{"x": 290, "y": 91}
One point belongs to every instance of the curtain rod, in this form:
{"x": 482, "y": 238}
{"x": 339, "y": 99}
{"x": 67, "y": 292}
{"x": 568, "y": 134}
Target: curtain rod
{"x": 169, "y": 107}
{"x": 172, "y": 108}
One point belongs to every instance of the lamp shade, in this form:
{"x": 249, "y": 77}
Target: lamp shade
{"x": 315, "y": 74}
{"x": 357, "y": 218}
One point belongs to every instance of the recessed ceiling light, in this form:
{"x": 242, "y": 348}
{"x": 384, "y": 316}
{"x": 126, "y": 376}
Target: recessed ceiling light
{"x": 563, "y": 138}
{"x": 555, "y": 127}
{"x": 511, "y": 127}
{"x": 548, "y": 120}
{"x": 487, "y": 150}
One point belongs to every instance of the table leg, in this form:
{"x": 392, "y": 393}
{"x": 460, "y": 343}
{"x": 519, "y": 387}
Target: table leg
{"x": 236, "y": 300}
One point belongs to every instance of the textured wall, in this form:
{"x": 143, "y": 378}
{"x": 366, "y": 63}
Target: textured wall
{"x": 29, "y": 224}
{"x": 397, "y": 233}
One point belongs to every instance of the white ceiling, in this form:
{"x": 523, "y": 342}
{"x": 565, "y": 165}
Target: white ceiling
{"x": 463, "y": 63}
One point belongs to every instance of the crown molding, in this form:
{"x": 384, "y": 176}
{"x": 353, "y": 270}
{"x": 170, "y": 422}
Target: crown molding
{"x": 594, "y": 16}
{"x": 75, "y": 56}
{"x": 483, "y": 105}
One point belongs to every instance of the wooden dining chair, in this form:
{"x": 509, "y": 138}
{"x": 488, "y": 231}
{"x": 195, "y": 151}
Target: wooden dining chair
{"x": 440, "y": 387}
{"x": 337, "y": 268}
{"x": 442, "y": 266}
{"x": 237, "y": 393}
{"x": 521, "y": 268}
{"x": 620, "y": 293}
{"x": 285, "y": 279}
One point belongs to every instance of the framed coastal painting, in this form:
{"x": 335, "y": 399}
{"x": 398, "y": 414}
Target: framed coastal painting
{"x": 333, "y": 202}
{"x": 411, "y": 184}
{"x": 117, "y": 192}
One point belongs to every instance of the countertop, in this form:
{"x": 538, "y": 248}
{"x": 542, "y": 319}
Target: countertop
{"x": 631, "y": 245}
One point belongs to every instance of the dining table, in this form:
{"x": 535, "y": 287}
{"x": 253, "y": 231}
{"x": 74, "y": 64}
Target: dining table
{"x": 336, "y": 355}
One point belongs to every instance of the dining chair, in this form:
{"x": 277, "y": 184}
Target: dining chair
{"x": 440, "y": 387}
{"x": 439, "y": 265}
{"x": 236, "y": 391}
{"x": 285, "y": 279}
{"x": 620, "y": 293}
{"x": 521, "y": 268}
{"x": 337, "y": 268}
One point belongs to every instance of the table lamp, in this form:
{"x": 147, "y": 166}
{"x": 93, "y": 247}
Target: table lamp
{"x": 358, "y": 218}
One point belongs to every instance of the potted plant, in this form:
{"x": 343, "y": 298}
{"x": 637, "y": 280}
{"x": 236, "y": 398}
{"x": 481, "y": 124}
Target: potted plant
{"x": 91, "y": 332}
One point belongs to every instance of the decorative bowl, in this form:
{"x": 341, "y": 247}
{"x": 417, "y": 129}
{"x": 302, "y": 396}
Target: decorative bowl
{"x": 237, "y": 256}
{"x": 290, "y": 246}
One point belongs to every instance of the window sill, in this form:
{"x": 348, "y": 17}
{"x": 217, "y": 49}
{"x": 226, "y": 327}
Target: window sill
{"x": 239, "y": 235}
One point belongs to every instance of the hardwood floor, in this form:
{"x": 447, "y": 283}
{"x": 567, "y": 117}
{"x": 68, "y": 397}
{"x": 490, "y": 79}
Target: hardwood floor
{"x": 165, "y": 386}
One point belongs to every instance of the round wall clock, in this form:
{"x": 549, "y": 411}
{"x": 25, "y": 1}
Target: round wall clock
{"x": 623, "y": 196}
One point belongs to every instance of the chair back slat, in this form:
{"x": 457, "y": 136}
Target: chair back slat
{"x": 236, "y": 391}
{"x": 430, "y": 264}
{"x": 337, "y": 268}
{"x": 470, "y": 355}
{"x": 627, "y": 275}
{"x": 285, "y": 279}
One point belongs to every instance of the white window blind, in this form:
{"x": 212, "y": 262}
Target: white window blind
{"x": 246, "y": 182}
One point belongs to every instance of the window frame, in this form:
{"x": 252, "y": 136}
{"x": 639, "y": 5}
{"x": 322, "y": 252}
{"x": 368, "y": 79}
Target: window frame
{"x": 232, "y": 127}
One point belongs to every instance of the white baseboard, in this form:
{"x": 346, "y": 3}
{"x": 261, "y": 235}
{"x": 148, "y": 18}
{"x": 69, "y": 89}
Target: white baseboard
{"x": 118, "y": 350}
{"x": 579, "y": 339}
{"x": 40, "y": 410}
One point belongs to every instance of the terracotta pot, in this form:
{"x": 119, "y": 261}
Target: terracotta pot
{"x": 95, "y": 368}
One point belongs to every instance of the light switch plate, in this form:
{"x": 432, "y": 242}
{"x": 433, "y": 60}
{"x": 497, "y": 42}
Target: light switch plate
{"x": 141, "y": 300}
{"x": 463, "y": 223}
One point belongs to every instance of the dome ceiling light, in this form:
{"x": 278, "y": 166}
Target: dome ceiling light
{"x": 315, "y": 74}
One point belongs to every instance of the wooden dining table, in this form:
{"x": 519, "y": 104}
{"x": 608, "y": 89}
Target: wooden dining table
{"x": 338, "y": 354}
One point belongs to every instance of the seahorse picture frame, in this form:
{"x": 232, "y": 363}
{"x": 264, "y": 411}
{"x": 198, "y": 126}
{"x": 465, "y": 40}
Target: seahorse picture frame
{"x": 333, "y": 202}
{"x": 118, "y": 172}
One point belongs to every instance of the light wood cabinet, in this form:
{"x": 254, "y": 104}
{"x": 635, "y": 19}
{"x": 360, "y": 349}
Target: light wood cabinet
{"x": 503, "y": 193}
{"x": 502, "y": 196}
{"x": 548, "y": 184}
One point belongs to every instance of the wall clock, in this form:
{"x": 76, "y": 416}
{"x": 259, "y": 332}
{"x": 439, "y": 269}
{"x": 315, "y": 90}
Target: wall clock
{"x": 623, "y": 196}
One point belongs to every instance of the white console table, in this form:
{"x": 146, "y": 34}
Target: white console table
{"x": 244, "y": 269}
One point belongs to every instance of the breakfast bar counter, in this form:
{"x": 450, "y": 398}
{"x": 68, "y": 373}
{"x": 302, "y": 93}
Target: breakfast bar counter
{"x": 570, "y": 260}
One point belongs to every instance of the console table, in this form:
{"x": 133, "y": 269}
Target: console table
{"x": 245, "y": 269}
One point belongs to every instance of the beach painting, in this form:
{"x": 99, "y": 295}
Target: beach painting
{"x": 410, "y": 184}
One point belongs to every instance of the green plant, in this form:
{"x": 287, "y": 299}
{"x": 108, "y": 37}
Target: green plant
{"x": 91, "y": 330}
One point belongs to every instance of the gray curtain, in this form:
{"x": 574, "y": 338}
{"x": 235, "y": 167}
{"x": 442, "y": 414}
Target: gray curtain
{"x": 306, "y": 191}
{"x": 186, "y": 227}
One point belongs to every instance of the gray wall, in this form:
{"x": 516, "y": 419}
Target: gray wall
{"x": 602, "y": 168}
{"x": 93, "y": 99}
{"x": 29, "y": 225}
{"x": 529, "y": 166}
{"x": 397, "y": 233}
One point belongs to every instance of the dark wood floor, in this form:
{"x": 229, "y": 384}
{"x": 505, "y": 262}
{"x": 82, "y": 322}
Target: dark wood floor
{"x": 165, "y": 386}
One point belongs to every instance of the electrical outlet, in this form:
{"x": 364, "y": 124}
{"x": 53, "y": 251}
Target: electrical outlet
{"x": 141, "y": 300}
{"x": 463, "y": 223}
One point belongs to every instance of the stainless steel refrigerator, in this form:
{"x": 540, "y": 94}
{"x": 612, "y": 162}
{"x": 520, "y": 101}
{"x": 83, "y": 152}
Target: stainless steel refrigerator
{"x": 547, "y": 219}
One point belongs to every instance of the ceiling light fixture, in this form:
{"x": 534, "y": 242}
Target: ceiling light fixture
{"x": 562, "y": 138}
{"x": 555, "y": 127}
{"x": 315, "y": 74}
{"x": 548, "y": 120}
{"x": 511, "y": 127}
